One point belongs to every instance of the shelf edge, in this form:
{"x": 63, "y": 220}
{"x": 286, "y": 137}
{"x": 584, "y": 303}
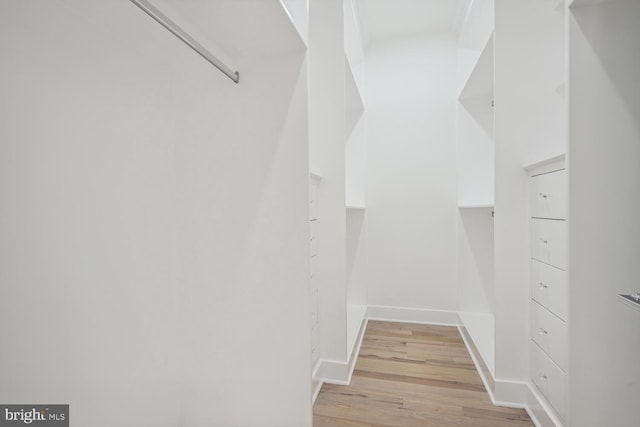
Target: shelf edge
{"x": 544, "y": 162}
{"x": 475, "y": 205}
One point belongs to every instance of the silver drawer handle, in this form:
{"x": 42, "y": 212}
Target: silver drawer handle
{"x": 543, "y": 377}
{"x": 542, "y": 195}
{"x": 544, "y": 241}
{"x": 543, "y": 286}
{"x": 543, "y": 331}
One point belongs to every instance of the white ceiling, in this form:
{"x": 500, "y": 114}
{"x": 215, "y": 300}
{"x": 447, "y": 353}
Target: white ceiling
{"x": 387, "y": 19}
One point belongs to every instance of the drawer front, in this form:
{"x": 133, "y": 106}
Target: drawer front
{"x": 548, "y": 241}
{"x": 549, "y": 195}
{"x": 550, "y": 333}
{"x": 550, "y": 380}
{"x": 549, "y": 288}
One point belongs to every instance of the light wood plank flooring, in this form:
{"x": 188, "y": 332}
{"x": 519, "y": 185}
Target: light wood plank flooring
{"x": 412, "y": 375}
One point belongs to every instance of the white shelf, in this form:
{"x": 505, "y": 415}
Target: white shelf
{"x": 480, "y": 81}
{"x": 581, "y": 3}
{"x": 548, "y": 164}
{"x": 356, "y": 207}
{"x": 475, "y": 205}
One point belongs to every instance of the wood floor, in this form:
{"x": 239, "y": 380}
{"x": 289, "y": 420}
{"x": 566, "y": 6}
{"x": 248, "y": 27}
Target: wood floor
{"x": 412, "y": 375}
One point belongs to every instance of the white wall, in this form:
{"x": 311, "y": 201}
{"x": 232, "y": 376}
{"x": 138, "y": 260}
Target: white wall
{"x": 475, "y": 173}
{"x": 355, "y": 172}
{"x": 604, "y": 173}
{"x": 411, "y": 173}
{"x": 476, "y": 158}
{"x": 355, "y": 115}
{"x": 475, "y": 279}
{"x": 327, "y": 158}
{"x": 298, "y": 11}
{"x": 355, "y": 163}
{"x": 475, "y": 260}
{"x": 529, "y": 125}
{"x": 475, "y": 111}
{"x": 154, "y": 220}
{"x": 353, "y": 46}
{"x": 475, "y": 30}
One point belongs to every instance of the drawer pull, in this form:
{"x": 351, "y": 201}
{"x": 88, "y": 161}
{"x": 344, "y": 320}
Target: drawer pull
{"x": 543, "y": 377}
{"x": 543, "y": 285}
{"x": 545, "y": 241}
{"x": 542, "y": 195}
{"x": 543, "y": 331}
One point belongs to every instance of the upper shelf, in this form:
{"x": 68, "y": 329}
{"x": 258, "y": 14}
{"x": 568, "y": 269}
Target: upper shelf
{"x": 548, "y": 164}
{"x": 480, "y": 81}
{"x": 475, "y": 205}
{"x": 580, "y": 3}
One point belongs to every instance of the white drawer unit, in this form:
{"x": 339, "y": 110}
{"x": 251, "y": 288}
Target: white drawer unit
{"x": 550, "y": 316}
{"x": 548, "y": 196}
{"x": 549, "y": 242}
{"x": 550, "y": 380}
{"x": 549, "y": 288}
{"x": 550, "y": 333}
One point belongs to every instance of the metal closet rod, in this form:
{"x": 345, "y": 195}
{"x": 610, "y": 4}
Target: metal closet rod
{"x": 174, "y": 29}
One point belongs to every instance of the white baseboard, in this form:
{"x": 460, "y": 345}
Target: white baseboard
{"x": 413, "y": 315}
{"x": 316, "y": 383}
{"x": 332, "y": 372}
{"x": 336, "y": 371}
{"x": 483, "y": 370}
{"x": 539, "y": 410}
{"x": 511, "y": 394}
